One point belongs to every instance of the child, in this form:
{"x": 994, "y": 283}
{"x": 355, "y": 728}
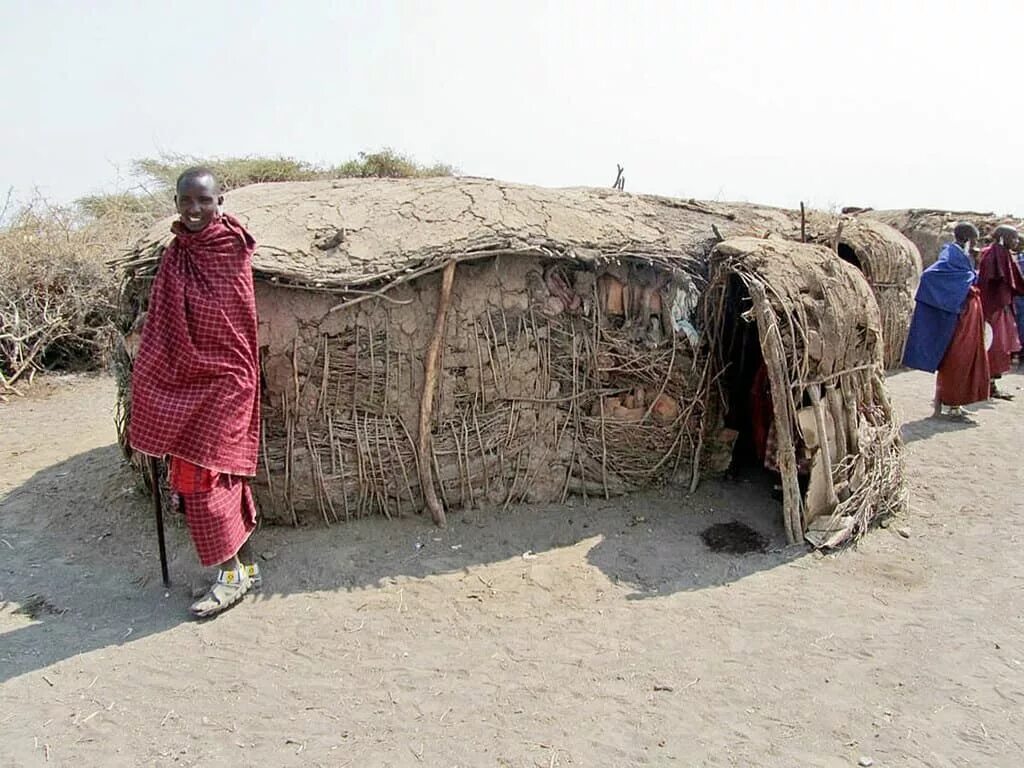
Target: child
{"x": 195, "y": 383}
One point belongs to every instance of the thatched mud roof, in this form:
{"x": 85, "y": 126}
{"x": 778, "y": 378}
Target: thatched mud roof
{"x": 883, "y": 253}
{"x": 891, "y": 263}
{"x": 837, "y": 325}
{"x": 930, "y": 229}
{"x": 372, "y": 232}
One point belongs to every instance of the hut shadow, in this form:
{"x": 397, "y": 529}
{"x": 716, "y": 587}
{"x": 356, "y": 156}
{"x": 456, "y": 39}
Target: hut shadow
{"x": 667, "y": 554}
{"x": 82, "y": 556}
{"x": 77, "y": 558}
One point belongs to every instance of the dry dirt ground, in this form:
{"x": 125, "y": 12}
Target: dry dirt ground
{"x": 622, "y": 642}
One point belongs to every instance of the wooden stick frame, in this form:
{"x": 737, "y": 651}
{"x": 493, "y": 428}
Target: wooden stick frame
{"x": 430, "y": 370}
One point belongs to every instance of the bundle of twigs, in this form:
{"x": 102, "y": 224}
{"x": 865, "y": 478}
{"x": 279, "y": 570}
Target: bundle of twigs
{"x": 56, "y": 297}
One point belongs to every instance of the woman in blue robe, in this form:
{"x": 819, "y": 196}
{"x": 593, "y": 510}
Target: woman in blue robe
{"x": 941, "y": 296}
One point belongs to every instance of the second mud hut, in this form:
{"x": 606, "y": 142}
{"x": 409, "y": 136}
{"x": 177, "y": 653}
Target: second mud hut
{"x": 891, "y": 264}
{"x": 930, "y": 229}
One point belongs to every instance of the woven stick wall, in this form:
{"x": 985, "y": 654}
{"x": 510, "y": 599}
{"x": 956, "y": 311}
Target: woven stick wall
{"x": 821, "y": 338}
{"x": 529, "y": 403}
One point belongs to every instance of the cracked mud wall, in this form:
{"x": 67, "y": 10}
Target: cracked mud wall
{"x": 530, "y": 406}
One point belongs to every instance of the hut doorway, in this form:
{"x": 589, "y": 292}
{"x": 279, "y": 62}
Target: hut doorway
{"x": 847, "y": 254}
{"x": 748, "y": 410}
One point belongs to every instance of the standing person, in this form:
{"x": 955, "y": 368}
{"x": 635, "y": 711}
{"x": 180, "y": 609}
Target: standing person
{"x": 1018, "y": 311}
{"x": 947, "y": 331}
{"x": 1000, "y": 280}
{"x": 195, "y": 383}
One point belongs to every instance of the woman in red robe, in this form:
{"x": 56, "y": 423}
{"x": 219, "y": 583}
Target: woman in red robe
{"x": 1000, "y": 280}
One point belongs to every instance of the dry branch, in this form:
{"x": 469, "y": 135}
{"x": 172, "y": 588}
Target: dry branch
{"x": 430, "y": 366}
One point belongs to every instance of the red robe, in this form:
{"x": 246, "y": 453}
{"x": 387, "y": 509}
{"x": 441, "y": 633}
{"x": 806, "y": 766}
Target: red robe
{"x": 964, "y": 372}
{"x": 195, "y": 381}
{"x": 1000, "y": 279}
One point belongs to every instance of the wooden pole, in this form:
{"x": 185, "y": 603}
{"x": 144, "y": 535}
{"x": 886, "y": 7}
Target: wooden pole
{"x": 835, "y": 240}
{"x": 803, "y": 223}
{"x": 427, "y": 400}
{"x": 158, "y": 513}
{"x": 775, "y": 361}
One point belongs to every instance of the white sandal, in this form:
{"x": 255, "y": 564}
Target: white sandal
{"x": 255, "y": 577}
{"x": 230, "y": 587}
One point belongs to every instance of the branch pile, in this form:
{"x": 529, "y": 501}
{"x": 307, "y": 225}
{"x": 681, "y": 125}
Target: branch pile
{"x": 57, "y": 296}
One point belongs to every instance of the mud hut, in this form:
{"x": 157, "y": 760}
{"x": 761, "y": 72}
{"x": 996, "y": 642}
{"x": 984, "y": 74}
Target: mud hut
{"x": 445, "y": 343}
{"x": 930, "y": 229}
{"x": 890, "y": 262}
{"x": 812, "y": 321}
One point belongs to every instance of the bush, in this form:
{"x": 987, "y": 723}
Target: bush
{"x": 57, "y": 295}
{"x": 387, "y": 164}
{"x": 160, "y": 174}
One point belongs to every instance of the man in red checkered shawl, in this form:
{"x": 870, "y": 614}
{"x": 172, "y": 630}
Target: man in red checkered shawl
{"x": 195, "y": 383}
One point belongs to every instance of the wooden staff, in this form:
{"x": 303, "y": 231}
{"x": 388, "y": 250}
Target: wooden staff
{"x": 427, "y": 402}
{"x": 158, "y": 511}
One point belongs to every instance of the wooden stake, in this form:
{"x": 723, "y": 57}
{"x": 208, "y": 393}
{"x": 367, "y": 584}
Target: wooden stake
{"x": 774, "y": 357}
{"x": 427, "y": 400}
{"x": 803, "y": 223}
{"x": 835, "y": 240}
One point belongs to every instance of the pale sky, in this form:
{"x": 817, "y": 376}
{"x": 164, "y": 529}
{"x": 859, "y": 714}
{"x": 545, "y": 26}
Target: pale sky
{"x": 902, "y": 103}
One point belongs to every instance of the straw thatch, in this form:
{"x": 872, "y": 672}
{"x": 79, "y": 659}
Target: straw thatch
{"x": 456, "y": 342}
{"x": 930, "y": 229}
{"x": 821, "y": 338}
{"x": 890, "y": 262}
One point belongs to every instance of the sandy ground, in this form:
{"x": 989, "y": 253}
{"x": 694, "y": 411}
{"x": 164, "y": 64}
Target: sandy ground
{"x": 623, "y": 642}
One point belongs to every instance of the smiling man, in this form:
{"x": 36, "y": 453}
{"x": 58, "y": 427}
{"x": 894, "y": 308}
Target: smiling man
{"x": 195, "y": 383}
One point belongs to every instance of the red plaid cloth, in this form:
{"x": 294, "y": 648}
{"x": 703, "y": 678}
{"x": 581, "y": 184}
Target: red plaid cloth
{"x": 219, "y": 510}
{"x": 1000, "y": 279}
{"x": 195, "y": 382}
{"x": 187, "y": 477}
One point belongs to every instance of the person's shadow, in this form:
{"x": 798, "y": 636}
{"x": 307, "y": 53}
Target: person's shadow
{"x": 79, "y": 566}
{"x": 930, "y": 426}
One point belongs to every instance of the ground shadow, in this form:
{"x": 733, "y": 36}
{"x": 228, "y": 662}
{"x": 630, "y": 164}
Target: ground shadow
{"x": 894, "y": 372}
{"x": 929, "y": 426}
{"x": 78, "y": 552}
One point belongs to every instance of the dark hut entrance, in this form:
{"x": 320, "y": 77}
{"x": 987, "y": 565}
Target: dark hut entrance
{"x": 847, "y": 254}
{"x": 739, "y": 352}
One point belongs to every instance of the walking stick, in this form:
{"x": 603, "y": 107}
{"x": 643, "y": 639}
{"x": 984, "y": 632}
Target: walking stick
{"x": 158, "y": 510}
